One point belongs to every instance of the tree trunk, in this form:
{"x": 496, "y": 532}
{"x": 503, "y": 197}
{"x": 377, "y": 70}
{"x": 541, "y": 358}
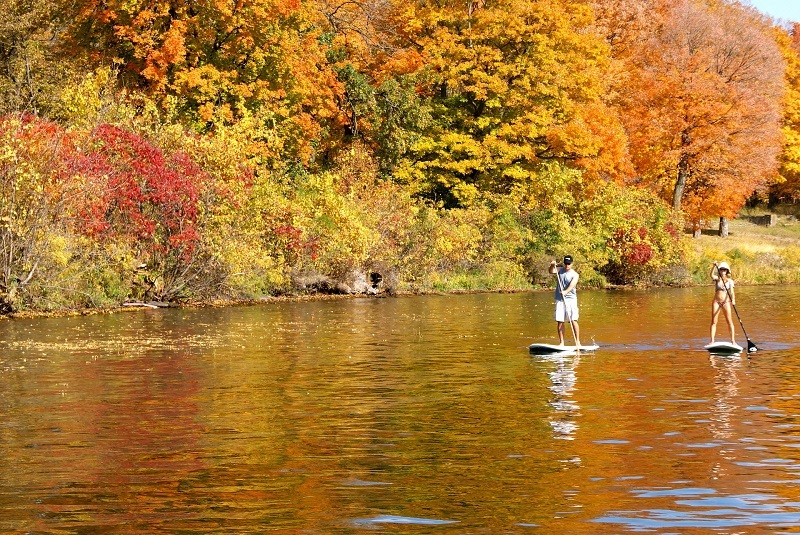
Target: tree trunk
{"x": 683, "y": 175}
{"x": 680, "y": 185}
{"x": 723, "y": 227}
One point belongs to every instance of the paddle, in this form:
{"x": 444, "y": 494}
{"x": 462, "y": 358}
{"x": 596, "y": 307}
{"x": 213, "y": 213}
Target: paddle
{"x": 751, "y": 347}
{"x": 567, "y": 310}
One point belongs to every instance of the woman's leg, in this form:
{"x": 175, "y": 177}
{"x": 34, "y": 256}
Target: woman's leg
{"x": 729, "y": 317}
{"x": 714, "y": 315}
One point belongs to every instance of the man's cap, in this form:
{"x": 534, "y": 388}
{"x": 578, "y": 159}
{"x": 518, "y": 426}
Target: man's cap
{"x": 568, "y": 259}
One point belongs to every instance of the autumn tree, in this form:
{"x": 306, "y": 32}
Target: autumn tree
{"x": 37, "y": 189}
{"x": 221, "y": 61}
{"x": 627, "y": 24}
{"x": 31, "y": 71}
{"x": 787, "y": 188}
{"x": 702, "y": 108}
{"x": 365, "y": 27}
{"x": 148, "y": 201}
{"x": 511, "y": 84}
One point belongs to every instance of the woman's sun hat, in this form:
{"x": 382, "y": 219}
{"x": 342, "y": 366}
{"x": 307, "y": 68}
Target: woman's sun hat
{"x": 724, "y": 265}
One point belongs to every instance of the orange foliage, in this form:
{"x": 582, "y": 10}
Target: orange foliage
{"x": 700, "y": 104}
{"x": 597, "y": 139}
{"x": 221, "y": 60}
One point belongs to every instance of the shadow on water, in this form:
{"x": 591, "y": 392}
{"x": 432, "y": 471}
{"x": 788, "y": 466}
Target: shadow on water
{"x": 423, "y": 414}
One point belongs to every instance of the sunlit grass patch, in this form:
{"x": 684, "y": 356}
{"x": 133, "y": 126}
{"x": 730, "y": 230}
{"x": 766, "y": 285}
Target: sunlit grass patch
{"x": 757, "y": 254}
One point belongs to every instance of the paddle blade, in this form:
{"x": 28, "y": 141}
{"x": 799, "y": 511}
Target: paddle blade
{"x": 751, "y": 347}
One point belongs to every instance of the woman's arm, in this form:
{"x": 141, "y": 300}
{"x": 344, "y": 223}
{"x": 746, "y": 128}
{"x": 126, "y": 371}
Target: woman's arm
{"x": 714, "y": 276}
{"x": 733, "y": 295}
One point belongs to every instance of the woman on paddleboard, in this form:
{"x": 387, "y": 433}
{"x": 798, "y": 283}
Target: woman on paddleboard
{"x": 566, "y": 303}
{"x": 724, "y": 297}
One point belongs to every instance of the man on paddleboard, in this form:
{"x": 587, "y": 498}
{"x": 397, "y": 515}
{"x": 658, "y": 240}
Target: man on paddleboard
{"x": 566, "y": 298}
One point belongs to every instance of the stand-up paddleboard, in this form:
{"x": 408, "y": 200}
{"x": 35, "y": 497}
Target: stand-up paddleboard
{"x": 724, "y": 348}
{"x": 555, "y": 349}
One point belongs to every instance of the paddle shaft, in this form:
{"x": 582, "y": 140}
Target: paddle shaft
{"x": 567, "y": 311}
{"x": 750, "y": 345}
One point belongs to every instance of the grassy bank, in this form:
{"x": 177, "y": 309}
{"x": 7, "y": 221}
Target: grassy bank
{"x": 757, "y": 254}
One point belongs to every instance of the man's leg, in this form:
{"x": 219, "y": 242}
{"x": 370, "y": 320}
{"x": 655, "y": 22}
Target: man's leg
{"x": 577, "y": 333}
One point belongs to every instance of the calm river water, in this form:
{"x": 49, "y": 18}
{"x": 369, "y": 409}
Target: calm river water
{"x": 403, "y": 415}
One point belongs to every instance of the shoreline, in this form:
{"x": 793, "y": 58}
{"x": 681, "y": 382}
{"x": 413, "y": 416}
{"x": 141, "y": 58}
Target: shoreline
{"x": 760, "y": 256}
{"x": 300, "y": 298}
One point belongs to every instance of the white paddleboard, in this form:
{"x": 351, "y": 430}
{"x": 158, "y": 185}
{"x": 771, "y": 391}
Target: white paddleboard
{"x": 724, "y": 347}
{"x": 555, "y": 349}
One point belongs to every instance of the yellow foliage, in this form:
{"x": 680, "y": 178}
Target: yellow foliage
{"x": 94, "y": 100}
{"x": 516, "y": 84}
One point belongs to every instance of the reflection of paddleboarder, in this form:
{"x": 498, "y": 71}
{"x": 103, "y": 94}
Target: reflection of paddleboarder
{"x": 726, "y": 395}
{"x": 564, "y": 378}
{"x": 566, "y": 302}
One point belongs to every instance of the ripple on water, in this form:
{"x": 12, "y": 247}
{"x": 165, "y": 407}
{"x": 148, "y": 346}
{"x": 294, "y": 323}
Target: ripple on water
{"x": 688, "y": 491}
{"x": 362, "y": 483}
{"x": 334, "y": 416}
{"x": 709, "y": 510}
{"x": 397, "y": 519}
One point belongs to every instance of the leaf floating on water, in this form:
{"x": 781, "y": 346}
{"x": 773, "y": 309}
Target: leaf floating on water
{"x": 127, "y": 344}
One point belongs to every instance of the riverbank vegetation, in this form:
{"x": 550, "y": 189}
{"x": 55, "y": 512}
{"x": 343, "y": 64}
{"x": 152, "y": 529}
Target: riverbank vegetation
{"x": 760, "y": 254}
{"x": 175, "y": 151}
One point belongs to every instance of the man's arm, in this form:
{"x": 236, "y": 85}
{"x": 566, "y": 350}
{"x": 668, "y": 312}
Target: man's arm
{"x": 572, "y": 284}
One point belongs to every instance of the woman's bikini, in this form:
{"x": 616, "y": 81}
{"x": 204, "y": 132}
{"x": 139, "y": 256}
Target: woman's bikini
{"x": 723, "y": 287}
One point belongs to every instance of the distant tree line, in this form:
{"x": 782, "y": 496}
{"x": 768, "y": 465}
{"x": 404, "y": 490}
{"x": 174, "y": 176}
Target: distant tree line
{"x": 168, "y": 150}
